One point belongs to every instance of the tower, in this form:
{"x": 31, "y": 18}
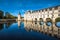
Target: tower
{"x": 19, "y": 16}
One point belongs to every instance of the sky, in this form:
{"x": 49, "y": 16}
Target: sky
{"x": 16, "y": 6}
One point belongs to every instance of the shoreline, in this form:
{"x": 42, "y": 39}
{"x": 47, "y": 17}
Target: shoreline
{"x": 7, "y": 20}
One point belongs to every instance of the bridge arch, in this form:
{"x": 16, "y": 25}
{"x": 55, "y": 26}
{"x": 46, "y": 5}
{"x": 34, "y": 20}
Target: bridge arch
{"x": 41, "y": 22}
{"x": 48, "y": 21}
{"x": 57, "y": 22}
{"x": 35, "y": 19}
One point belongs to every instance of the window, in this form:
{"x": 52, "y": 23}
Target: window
{"x": 58, "y": 14}
{"x": 59, "y": 10}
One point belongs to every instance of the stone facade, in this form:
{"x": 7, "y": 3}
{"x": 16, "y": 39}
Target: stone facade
{"x": 36, "y": 15}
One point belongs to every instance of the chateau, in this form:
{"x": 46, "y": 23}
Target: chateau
{"x": 46, "y": 14}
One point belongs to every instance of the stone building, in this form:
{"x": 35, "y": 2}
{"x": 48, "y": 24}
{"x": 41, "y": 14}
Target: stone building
{"x": 51, "y": 14}
{"x": 46, "y": 14}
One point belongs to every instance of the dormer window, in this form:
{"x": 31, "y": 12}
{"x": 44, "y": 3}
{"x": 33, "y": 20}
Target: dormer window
{"x": 45, "y": 9}
{"x": 56, "y": 8}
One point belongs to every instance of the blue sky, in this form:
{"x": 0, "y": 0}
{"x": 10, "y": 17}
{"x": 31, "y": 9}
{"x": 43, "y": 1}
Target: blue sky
{"x": 16, "y": 6}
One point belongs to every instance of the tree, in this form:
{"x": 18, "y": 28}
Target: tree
{"x": 1, "y": 14}
{"x": 9, "y": 16}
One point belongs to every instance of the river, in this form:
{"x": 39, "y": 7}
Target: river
{"x": 27, "y": 31}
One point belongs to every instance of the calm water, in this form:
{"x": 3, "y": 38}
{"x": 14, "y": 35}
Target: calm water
{"x": 27, "y": 31}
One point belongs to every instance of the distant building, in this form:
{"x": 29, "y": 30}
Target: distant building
{"x": 19, "y": 16}
{"x": 44, "y": 14}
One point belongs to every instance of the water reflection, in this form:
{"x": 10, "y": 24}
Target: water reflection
{"x": 36, "y": 26}
{"x": 5, "y": 24}
{"x": 41, "y": 22}
{"x": 19, "y": 23}
{"x": 1, "y": 26}
{"x": 28, "y": 30}
{"x": 48, "y": 23}
{"x": 58, "y": 24}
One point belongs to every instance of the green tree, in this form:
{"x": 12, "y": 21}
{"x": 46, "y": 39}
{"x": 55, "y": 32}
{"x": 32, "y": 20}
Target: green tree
{"x": 1, "y": 14}
{"x": 9, "y": 16}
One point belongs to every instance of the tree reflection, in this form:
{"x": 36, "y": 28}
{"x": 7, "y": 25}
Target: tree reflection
{"x": 1, "y": 26}
{"x": 8, "y": 24}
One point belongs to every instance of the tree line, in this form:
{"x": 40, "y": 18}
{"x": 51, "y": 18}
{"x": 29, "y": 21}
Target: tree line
{"x": 6, "y": 16}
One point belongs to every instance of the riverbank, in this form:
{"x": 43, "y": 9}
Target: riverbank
{"x": 7, "y": 20}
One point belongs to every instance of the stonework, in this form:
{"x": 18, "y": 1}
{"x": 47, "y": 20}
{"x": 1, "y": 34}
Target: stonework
{"x": 52, "y": 13}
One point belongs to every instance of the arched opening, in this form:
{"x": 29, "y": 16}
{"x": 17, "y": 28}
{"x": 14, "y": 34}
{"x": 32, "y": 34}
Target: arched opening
{"x": 48, "y": 21}
{"x": 41, "y": 19}
{"x": 35, "y": 19}
{"x": 41, "y": 22}
{"x": 57, "y": 22}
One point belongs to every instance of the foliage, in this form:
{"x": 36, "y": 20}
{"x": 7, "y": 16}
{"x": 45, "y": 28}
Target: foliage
{"x": 57, "y": 19}
{"x": 1, "y": 14}
{"x": 7, "y": 15}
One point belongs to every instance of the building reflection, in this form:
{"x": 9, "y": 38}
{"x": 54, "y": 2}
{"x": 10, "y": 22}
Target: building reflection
{"x": 20, "y": 25}
{"x": 19, "y": 22}
{"x": 45, "y": 29}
